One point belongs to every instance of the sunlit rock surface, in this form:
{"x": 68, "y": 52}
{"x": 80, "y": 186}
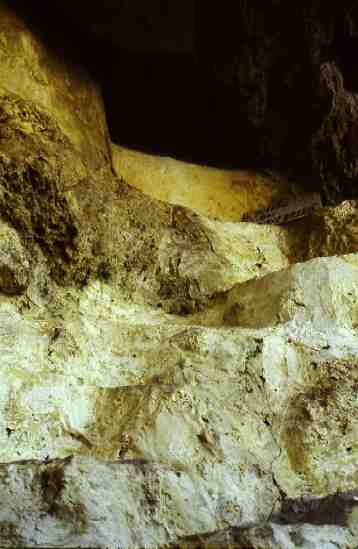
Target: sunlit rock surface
{"x": 15, "y": 265}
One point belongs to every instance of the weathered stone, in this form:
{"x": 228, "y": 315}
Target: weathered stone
{"x": 246, "y": 96}
{"x": 263, "y": 82}
{"x": 334, "y": 231}
{"x": 326, "y": 232}
{"x": 125, "y": 419}
{"x": 53, "y": 135}
{"x": 67, "y": 499}
{"x": 32, "y": 72}
{"x": 14, "y": 262}
{"x": 334, "y": 146}
{"x": 138, "y": 376}
{"x": 322, "y": 291}
{"x": 221, "y": 194}
{"x": 86, "y": 221}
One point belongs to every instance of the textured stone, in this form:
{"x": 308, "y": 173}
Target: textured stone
{"x": 53, "y": 135}
{"x": 39, "y": 76}
{"x": 166, "y": 377}
{"x": 14, "y": 262}
{"x": 334, "y": 231}
{"x": 322, "y": 291}
{"x": 231, "y": 420}
{"x": 267, "y": 79}
{"x": 87, "y": 222}
{"x": 334, "y": 148}
{"x": 325, "y": 232}
{"x": 246, "y": 96}
{"x": 221, "y": 194}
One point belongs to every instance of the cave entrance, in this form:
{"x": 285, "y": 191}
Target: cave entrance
{"x": 159, "y": 95}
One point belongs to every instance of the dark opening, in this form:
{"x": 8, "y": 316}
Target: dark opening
{"x": 159, "y": 102}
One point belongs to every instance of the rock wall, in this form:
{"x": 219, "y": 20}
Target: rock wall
{"x": 283, "y": 75}
{"x": 168, "y": 379}
{"x": 270, "y": 87}
{"x": 241, "y": 85}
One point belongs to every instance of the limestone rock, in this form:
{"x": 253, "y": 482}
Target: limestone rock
{"x": 323, "y": 291}
{"x": 259, "y": 82}
{"x": 53, "y": 136}
{"x": 14, "y": 262}
{"x": 228, "y": 420}
{"x": 161, "y": 362}
{"x": 325, "y": 232}
{"x": 334, "y": 231}
{"x": 86, "y": 221}
{"x": 221, "y": 194}
{"x": 79, "y": 502}
{"x": 245, "y": 96}
{"x": 334, "y": 148}
{"x": 32, "y": 71}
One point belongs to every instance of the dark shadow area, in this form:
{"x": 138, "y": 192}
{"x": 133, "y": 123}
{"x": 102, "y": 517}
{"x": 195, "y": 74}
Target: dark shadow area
{"x": 160, "y": 103}
{"x": 344, "y": 44}
{"x": 61, "y": 33}
{"x": 164, "y": 104}
{"x": 242, "y": 92}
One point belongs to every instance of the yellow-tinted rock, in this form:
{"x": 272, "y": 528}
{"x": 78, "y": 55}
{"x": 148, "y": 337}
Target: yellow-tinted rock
{"x": 325, "y": 232}
{"x": 223, "y": 194}
{"x": 33, "y": 72}
{"x": 53, "y": 136}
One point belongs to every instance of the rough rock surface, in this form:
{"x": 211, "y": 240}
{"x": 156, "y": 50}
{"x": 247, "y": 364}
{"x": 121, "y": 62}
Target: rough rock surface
{"x": 320, "y": 291}
{"x": 15, "y": 265}
{"x": 237, "y": 422}
{"x": 222, "y": 194}
{"x": 165, "y": 378}
{"x": 275, "y": 63}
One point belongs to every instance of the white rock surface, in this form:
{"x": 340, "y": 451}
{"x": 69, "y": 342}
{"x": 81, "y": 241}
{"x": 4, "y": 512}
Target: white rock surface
{"x": 322, "y": 291}
{"x": 223, "y": 421}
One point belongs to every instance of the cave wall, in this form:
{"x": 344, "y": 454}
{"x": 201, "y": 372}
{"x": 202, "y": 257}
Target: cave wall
{"x": 285, "y": 73}
{"x": 154, "y": 361}
{"x": 244, "y": 85}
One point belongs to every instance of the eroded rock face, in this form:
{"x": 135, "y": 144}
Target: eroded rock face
{"x": 322, "y": 291}
{"x": 275, "y": 63}
{"x": 334, "y": 148}
{"x": 164, "y": 375}
{"x": 248, "y": 90}
{"x": 186, "y": 413}
{"x": 87, "y": 222}
{"x": 334, "y": 231}
{"x": 55, "y": 85}
{"x": 53, "y": 135}
{"x": 15, "y": 265}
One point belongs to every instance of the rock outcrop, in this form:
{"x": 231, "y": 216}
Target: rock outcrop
{"x": 237, "y": 422}
{"x": 167, "y": 378}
